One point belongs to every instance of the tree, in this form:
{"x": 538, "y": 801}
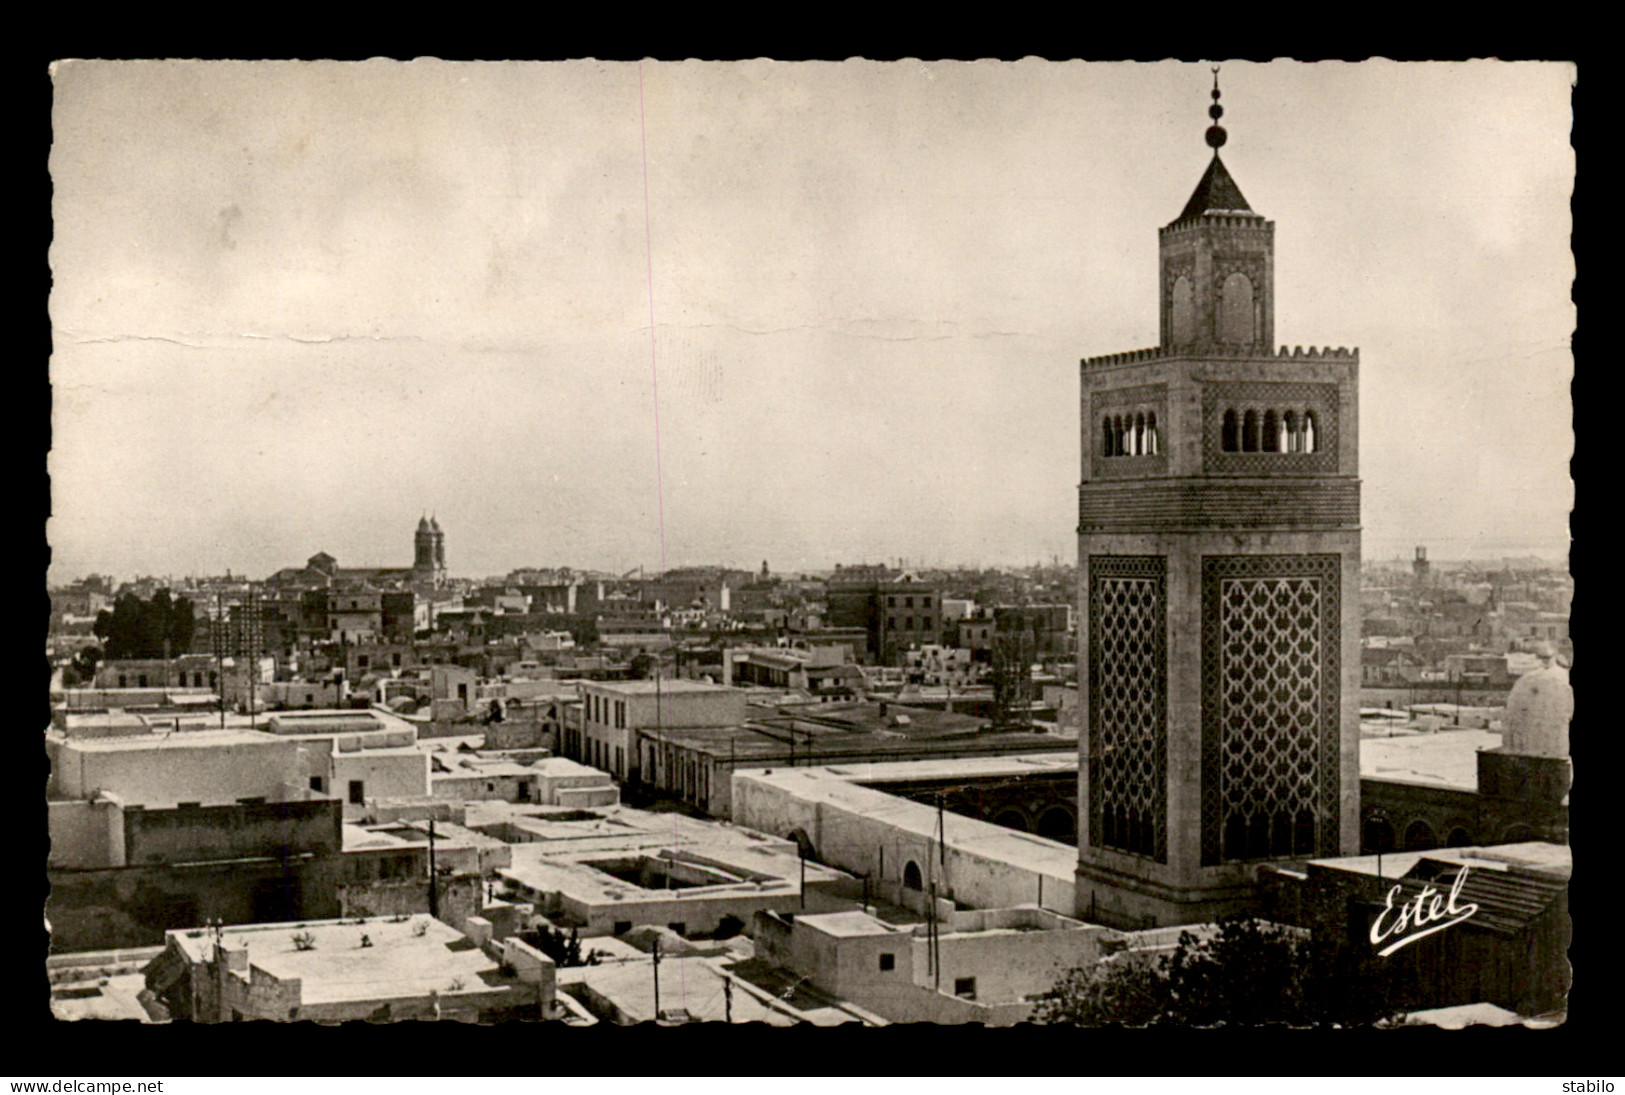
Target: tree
{"x": 563, "y": 949}
{"x": 161, "y": 627}
{"x": 1126, "y": 990}
{"x": 155, "y": 625}
{"x": 1248, "y": 972}
{"x": 86, "y": 660}
{"x": 182, "y": 625}
{"x": 81, "y": 668}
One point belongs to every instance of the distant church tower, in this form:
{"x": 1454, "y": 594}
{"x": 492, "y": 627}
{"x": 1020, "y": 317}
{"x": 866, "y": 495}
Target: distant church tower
{"x": 1219, "y": 561}
{"x": 429, "y": 554}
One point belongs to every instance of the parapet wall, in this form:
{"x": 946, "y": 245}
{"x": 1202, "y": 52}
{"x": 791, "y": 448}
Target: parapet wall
{"x": 1158, "y": 353}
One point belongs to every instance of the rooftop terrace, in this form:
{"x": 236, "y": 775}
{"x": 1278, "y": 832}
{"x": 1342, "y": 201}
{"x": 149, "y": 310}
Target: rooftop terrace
{"x": 407, "y": 958}
{"x": 1447, "y": 757}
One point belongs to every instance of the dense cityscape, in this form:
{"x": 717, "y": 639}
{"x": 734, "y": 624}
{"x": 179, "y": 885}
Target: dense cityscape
{"x": 550, "y": 720}
{"x": 1219, "y": 767}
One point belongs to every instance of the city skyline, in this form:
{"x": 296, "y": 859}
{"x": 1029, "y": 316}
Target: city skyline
{"x": 295, "y": 305}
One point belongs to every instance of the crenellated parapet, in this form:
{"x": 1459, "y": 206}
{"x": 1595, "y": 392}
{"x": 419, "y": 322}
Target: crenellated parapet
{"x": 1237, "y": 220}
{"x": 1220, "y": 350}
{"x": 1128, "y": 357}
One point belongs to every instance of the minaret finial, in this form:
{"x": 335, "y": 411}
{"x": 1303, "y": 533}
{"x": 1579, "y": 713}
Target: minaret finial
{"x": 1215, "y": 132}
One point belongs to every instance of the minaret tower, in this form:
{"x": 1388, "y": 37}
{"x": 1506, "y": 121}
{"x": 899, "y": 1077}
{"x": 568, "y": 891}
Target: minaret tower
{"x": 423, "y": 552}
{"x": 1219, "y": 558}
{"x": 439, "y": 552}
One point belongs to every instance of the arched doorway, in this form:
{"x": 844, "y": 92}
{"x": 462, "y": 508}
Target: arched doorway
{"x": 1419, "y": 836}
{"x": 1377, "y": 835}
{"x": 1460, "y": 837}
{"x": 911, "y": 877}
{"x": 1057, "y": 823}
{"x": 1012, "y": 818}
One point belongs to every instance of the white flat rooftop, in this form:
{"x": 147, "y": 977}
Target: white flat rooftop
{"x": 563, "y": 766}
{"x": 663, "y": 687}
{"x": 1536, "y": 855}
{"x": 847, "y": 924}
{"x": 1023, "y": 850}
{"x": 175, "y": 739}
{"x": 903, "y": 771}
{"x": 1444, "y": 758}
{"x": 399, "y": 963}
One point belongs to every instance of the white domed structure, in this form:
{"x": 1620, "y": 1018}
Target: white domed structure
{"x": 1538, "y": 713}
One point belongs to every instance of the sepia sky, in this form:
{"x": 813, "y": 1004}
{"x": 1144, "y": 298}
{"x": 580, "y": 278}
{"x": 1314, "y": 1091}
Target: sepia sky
{"x": 297, "y": 305}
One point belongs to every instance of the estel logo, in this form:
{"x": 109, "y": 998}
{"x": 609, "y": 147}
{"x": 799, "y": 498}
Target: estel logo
{"x": 1423, "y": 909}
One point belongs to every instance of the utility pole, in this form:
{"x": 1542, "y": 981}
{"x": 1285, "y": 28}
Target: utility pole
{"x": 220, "y": 653}
{"x": 727, "y": 999}
{"x": 252, "y": 645}
{"x": 942, "y": 837}
{"x": 936, "y": 955}
{"x": 657, "y": 978}
{"x": 434, "y": 878}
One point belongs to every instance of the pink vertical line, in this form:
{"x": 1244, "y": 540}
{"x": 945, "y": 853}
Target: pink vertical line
{"x": 654, "y": 377}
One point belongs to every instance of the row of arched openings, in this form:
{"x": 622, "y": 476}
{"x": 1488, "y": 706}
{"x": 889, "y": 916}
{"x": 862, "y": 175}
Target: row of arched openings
{"x": 1128, "y": 830}
{"x": 1130, "y": 434}
{"x": 1284, "y": 834}
{"x": 1055, "y": 823}
{"x": 1289, "y": 431}
{"x": 1378, "y": 835}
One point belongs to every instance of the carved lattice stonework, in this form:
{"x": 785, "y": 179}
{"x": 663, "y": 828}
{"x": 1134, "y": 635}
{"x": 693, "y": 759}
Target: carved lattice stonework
{"x": 1261, "y": 396}
{"x": 1270, "y": 706}
{"x": 1128, "y": 687}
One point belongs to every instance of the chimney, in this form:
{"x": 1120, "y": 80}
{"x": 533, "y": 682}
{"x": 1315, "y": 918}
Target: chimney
{"x": 233, "y": 956}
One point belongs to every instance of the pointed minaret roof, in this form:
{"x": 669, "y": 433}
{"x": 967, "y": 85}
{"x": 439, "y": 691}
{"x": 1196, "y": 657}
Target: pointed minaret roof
{"x": 434, "y": 526}
{"x": 423, "y": 523}
{"x": 1217, "y": 192}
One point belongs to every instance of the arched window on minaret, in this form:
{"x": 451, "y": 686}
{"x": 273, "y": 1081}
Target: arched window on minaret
{"x": 1122, "y": 435}
{"x": 1303, "y": 834}
{"x": 1152, "y": 446}
{"x": 1258, "y": 836}
{"x": 1281, "y": 833}
{"x": 1249, "y": 432}
{"x": 1272, "y": 432}
{"x": 1291, "y": 431}
{"x": 1106, "y": 436}
{"x": 1139, "y": 435}
{"x": 1236, "y": 310}
{"x": 1184, "y": 311}
{"x": 1227, "y": 432}
{"x": 1309, "y": 440}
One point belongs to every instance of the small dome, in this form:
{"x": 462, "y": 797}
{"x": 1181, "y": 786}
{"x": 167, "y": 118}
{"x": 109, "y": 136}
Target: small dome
{"x": 1539, "y": 710}
{"x": 423, "y": 524}
{"x": 434, "y": 526}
